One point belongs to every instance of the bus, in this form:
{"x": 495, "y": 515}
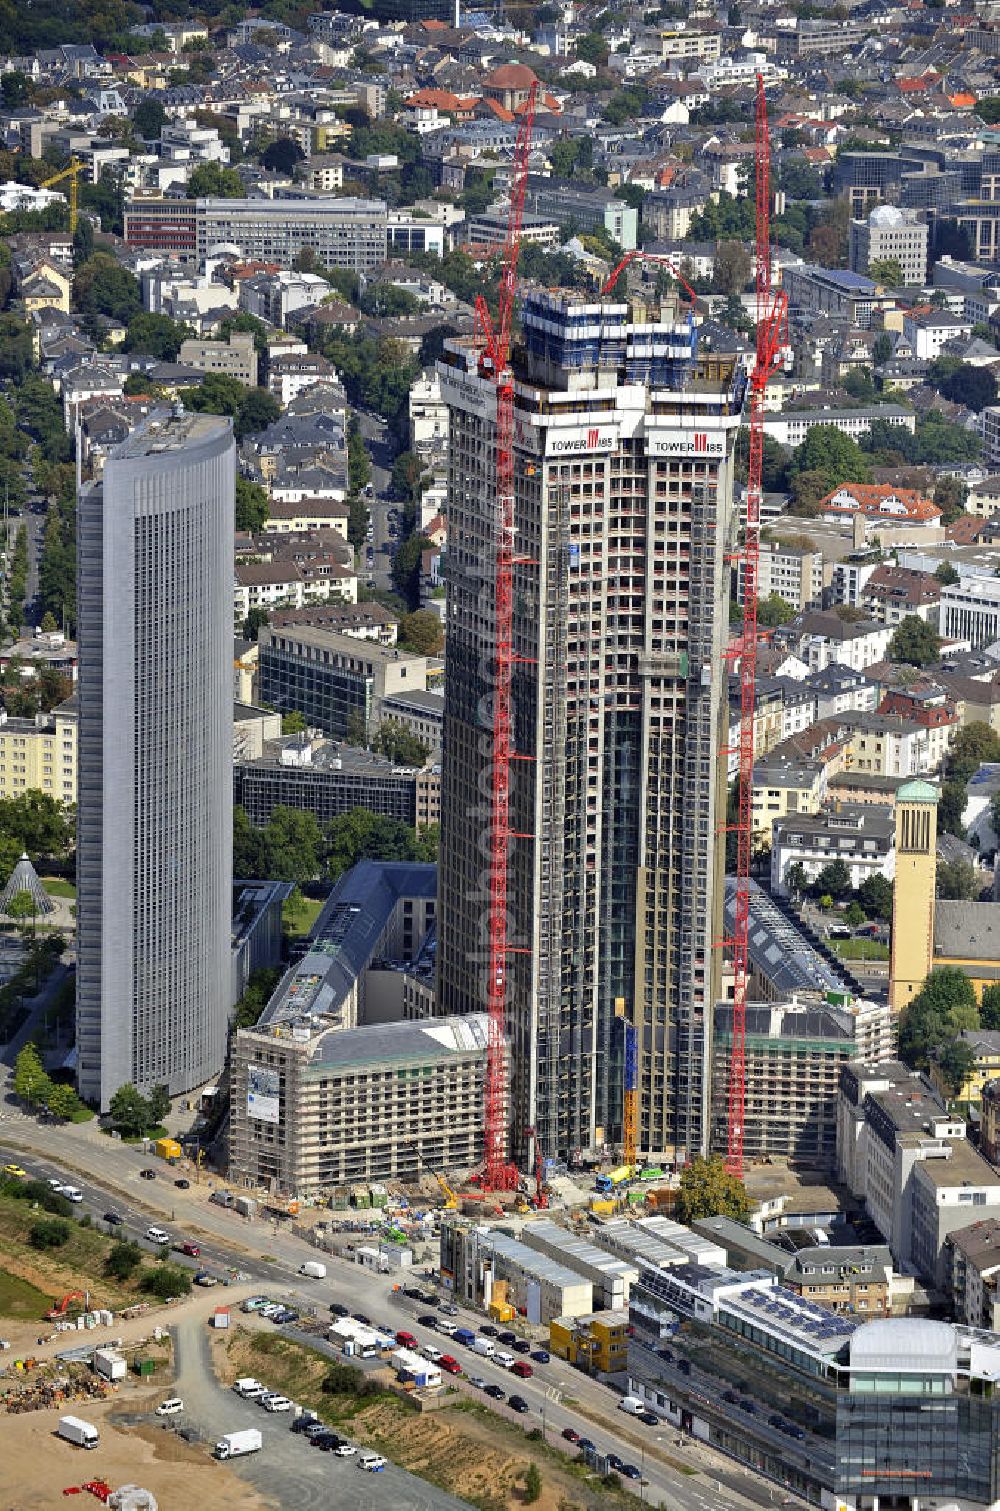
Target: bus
{"x": 612, "y": 1181}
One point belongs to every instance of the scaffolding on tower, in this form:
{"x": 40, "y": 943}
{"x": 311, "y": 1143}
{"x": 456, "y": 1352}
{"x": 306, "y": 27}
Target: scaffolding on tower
{"x": 772, "y": 340}
{"x": 499, "y": 1173}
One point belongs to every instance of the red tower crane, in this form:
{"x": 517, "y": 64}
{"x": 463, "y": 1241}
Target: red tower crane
{"x": 772, "y": 338}
{"x": 494, "y": 364}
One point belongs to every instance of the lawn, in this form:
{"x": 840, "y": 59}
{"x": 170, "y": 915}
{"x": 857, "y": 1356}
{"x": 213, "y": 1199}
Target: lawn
{"x": 299, "y": 914}
{"x": 860, "y": 949}
{"x": 56, "y": 887}
{"x": 22, "y": 1300}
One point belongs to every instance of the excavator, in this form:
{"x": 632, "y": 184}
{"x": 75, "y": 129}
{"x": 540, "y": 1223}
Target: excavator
{"x": 62, "y": 1307}
{"x": 450, "y": 1203}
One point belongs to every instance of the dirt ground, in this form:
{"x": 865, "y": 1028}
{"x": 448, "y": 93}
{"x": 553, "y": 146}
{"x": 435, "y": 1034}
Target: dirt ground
{"x": 475, "y": 1454}
{"x": 38, "y": 1466}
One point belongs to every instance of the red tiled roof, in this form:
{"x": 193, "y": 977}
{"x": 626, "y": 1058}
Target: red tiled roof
{"x": 872, "y": 498}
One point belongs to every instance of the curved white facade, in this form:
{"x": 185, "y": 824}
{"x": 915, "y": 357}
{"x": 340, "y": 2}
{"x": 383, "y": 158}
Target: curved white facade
{"x": 155, "y": 541}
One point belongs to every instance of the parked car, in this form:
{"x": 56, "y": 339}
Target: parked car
{"x": 14, "y": 1170}
{"x": 571, "y": 1435}
{"x": 477, "y": 1382}
{"x": 631, "y": 1472}
{"x": 306, "y": 1422}
{"x": 148, "y": 1174}
{"x": 344, "y": 1450}
{"x": 649, "y": 1417}
{"x": 521, "y": 1346}
{"x": 428, "y": 1320}
{"x": 488, "y": 1330}
{"x": 507, "y": 1337}
{"x": 338, "y": 1309}
{"x": 170, "y": 1408}
{"x": 157, "y": 1235}
{"x": 540, "y": 1356}
{"x": 192, "y": 1250}
{"x": 496, "y": 1393}
{"x": 518, "y": 1404}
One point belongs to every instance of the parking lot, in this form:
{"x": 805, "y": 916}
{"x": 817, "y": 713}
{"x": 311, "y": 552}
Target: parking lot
{"x": 286, "y": 1470}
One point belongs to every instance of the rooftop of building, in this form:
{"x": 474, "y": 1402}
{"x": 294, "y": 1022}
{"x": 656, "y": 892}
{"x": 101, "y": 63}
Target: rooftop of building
{"x": 779, "y": 950}
{"x": 960, "y": 1166}
{"x": 851, "y": 1259}
{"x": 302, "y": 753}
{"x": 979, "y": 1243}
{"x": 967, "y": 930}
{"x": 863, "y": 819}
{"x": 778, "y": 1025}
{"x": 170, "y": 431}
{"x": 901, "y": 1345}
{"x": 383, "y": 1044}
{"x": 530, "y": 1260}
{"x": 344, "y": 938}
{"x": 318, "y": 637}
{"x": 792, "y": 1318}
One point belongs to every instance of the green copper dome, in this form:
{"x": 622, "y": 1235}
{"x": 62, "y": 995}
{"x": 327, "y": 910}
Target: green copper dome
{"x": 917, "y": 791}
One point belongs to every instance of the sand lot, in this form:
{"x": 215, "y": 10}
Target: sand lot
{"x": 36, "y": 1466}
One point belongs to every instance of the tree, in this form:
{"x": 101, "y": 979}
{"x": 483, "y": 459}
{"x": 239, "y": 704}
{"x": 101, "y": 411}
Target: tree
{"x": 282, "y": 155}
{"x": 914, "y": 642}
{"x": 251, "y": 506}
{"x": 989, "y": 1008}
{"x": 828, "y": 451}
{"x": 945, "y": 1004}
{"x": 854, "y": 914}
{"x": 15, "y": 89}
{"x": 256, "y": 411}
{"x": 362, "y": 835}
{"x": 796, "y": 879}
{"x": 408, "y": 475}
{"x": 881, "y": 348}
{"x": 357, "y": 521}
{"x": 252, "y": 625}
{"x": 406, "y": 567}
{"x": 975, "y": 387}
{"x": 149, "y": 119}
{"x": 951, "y": 807}
{"x": 159, "y": 1104}
{"x": 50, "y": 1233}
{"x": 945, "y": 573}
{"x": 875, "y": 896}
{"x": 886, "y": 270}
{"x": 101, "y": 286}
{"x": 359, "y": 466}
{"x": 156, "y": 335}
{"x": 421, "y": 632}
{"x": 975, "y": 744}
{"x": 733, "y": 266}
{"x": 532, "y": 1484}
{"x": 707, "y": 1189}
{"x": 218, "y": 394}
{"x": 396, "y": 743}
{"x": 123, "y": 1260}
{"x": 129, "y": 1110}
{"x": 83, "y": 241}
{"x": 592, "y": 48}
{"x": 167, "y": 1281}
{"x": 958, "y": 881}
{"x": 293, "y": 723}
{"x": 955, "y": 1062}
{"x": 62, "y": 1101}
{"x": 31, "y": 1084}
{"x": 834, "y": 878}
{"x": 213, "y": 181}
{"x": 773, "y": 611}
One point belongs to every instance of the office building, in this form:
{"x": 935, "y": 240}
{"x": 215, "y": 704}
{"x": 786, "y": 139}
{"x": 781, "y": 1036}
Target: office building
{"x": 39, "y": 754}
{"x": 840, "y": 1411}
{"x": 337, "y": 681}
{"x": 813, "y": 290}
{"x": 590, "y": 207}
{"x": 341, "y": 233}
{"x": 154, "y": 859}
{"x": 596, "y": 1343}
{"x": 489, "y": 1268}
{"x": 235, "y": 358}
{"x": 327, "y": 779}
{"x": 623, "y": 515}
{"x": 970, "y": 609}
{"x": 893, "y": 235}
{"x": 794, "y": 1054}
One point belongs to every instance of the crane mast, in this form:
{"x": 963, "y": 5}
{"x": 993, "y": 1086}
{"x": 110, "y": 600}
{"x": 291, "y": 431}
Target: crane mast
{"x": 772, "y": 338}
{"x": 494, "y": 363}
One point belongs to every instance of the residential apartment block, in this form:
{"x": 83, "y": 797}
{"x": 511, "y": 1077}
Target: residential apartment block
{"x": 341, "y": 233}
{"x": 39, "y": 754}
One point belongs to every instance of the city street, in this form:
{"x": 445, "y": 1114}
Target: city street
{"x": 107, "y": 1172}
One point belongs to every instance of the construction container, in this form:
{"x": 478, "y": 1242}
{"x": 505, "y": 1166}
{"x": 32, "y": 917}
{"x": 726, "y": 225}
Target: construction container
{"x": 144, "y": 1367}
{"x": 379, "y": 1195}
{"x": 602, "y": 1207}
{"x": 220, "y": 1317}
{"x": 168, "y": 1149}
{"x": 245, "y": 1206}
{"x": 109, "y": 1364}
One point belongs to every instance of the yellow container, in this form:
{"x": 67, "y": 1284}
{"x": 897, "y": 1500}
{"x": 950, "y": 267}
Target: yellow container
{"x": 168, "y": 1148}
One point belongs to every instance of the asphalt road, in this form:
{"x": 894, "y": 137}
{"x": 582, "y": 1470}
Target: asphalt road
{"x": 107, "y": 1172}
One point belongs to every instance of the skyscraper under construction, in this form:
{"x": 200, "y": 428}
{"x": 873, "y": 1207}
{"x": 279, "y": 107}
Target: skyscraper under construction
{"x": 624, "y": 433}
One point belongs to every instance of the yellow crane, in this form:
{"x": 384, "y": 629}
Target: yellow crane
{"x": 73, "y": 174}
{"x": 450, "y": 1203}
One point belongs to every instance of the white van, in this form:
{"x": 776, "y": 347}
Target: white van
{"x": 504, "y": 1360}
{"x": 170, "y": 1408}
{"x": 448, "y": 1328}
{"x": 247, "y": 1382}
{"x": 631, "y": 1405}
{"x": 71, "y": 1193}
{"x": 373, "y": 1462}
{"x": 313, "y": 1269}
{"x": 157, "y": 1235}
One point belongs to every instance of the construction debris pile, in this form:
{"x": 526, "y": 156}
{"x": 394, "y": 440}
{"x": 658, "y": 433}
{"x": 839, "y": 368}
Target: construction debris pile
{"x": 42, "y": 1394}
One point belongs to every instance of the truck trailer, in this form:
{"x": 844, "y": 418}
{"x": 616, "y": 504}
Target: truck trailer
{"x": 233, "y": 1445}
{"x": 76, "y": 1430}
